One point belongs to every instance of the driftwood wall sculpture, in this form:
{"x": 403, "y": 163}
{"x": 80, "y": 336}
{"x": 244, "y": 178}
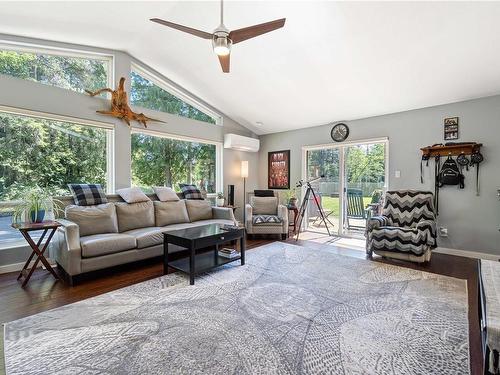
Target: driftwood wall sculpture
{"x": 120, "y": 107}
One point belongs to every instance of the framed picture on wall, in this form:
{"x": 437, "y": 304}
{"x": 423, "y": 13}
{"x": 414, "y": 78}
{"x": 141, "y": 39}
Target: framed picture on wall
{"x": 450, "y": 128}
{"x": 278, "y": 169}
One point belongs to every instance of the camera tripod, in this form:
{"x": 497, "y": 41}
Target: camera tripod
{"x": 305, "y": 202}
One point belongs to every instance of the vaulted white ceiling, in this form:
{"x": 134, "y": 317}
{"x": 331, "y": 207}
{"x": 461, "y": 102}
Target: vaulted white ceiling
{"x": 332, "y": 60}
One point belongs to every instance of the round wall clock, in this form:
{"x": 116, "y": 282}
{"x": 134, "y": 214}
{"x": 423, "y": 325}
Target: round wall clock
{"x": 340, "y": 132}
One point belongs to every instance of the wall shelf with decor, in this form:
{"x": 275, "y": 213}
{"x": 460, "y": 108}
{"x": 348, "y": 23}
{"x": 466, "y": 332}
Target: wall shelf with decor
{"x": 452, "y": 150}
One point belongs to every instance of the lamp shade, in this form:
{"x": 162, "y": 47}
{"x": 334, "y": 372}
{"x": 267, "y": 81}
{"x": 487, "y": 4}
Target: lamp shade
{"x": 244, "y": 168}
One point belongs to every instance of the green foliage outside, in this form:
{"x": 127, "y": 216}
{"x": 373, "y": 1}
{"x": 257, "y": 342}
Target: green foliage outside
{"x": 158, "y": 161}
{"x": 365, "y": 163}
{"x": 71, "y": 73}
{"x": 146, "y": 94}
{"x": 49, "y": 154}
{"x": 46, "y": 153}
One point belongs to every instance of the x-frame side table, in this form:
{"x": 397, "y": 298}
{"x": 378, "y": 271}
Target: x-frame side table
{"x": 49, "y": 227}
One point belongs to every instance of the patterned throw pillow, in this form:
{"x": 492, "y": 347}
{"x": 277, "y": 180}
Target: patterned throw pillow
{"x": 266, "y": 219}
{"x": 88, "y": 194}
{"x": 190, "y": 191}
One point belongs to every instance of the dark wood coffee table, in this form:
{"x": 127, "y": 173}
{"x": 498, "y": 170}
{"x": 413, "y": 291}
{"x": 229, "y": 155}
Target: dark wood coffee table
{"x": 197, "y": 238}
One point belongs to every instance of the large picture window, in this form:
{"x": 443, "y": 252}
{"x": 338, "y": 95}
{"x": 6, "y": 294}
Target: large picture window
{"x": 47, "y": 153}
{"x": 161, "y": 161}
{"x": 145, "y": 93}
{"x": 77, "y": 73}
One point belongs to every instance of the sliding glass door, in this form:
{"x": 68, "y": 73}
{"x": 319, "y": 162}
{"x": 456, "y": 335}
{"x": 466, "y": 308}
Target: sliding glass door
{"x": 364, "y": 183}
{"x": 349, "y": 193}
{"x": 324, "y": 162}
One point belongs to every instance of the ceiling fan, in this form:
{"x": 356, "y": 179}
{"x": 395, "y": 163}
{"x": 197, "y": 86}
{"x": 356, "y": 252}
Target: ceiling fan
{"x": 222, "y": 38}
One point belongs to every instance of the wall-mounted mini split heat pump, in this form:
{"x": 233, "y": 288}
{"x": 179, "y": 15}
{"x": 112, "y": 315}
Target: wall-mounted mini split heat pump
{"x": 241, "y": 143}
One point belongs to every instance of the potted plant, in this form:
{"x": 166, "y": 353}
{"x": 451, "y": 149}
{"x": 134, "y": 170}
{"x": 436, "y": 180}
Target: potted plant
{"x": 33, "y": 205}
{"x": 291, "y": 197}
{"x": 220, "y": 199}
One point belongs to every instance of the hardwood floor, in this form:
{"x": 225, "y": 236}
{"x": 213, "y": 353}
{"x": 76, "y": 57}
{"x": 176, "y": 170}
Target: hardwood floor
{"x": 43, "y": 292}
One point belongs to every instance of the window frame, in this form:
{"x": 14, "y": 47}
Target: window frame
{"x": 218, "y": 153}
{"x": 68, "y": 52}
{"x": 175, "y": 91}
{"x": 110, "y": 135}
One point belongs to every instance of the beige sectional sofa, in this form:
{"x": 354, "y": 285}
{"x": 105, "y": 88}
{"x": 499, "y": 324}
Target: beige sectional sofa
{"x": 97, "y": 237}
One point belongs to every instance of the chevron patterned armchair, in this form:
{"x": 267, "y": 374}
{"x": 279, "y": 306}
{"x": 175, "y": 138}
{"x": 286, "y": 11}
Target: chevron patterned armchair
{"x": 406, "y": 229}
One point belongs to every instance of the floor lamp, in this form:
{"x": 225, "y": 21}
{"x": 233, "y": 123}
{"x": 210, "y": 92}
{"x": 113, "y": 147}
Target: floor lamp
{"x": 244, "y": 175}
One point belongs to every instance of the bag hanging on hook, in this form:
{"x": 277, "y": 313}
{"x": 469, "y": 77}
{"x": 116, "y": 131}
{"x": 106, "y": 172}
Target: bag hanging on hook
{"x": 450, "y": 174}
{"x": 475, "y": 159}
{"x": 425, "y": 157}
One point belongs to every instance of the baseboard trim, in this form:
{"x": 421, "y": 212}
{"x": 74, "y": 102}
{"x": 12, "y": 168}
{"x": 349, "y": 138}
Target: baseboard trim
{"x": 467, "y": 253}
{"x": 11, "y": 267}
{"x": 15, "y": 267}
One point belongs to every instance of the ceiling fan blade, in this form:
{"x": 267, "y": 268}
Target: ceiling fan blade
{"x": 224, "y": 63}
{"x": 252, "y": 31}
{"x": 189, "y": 30}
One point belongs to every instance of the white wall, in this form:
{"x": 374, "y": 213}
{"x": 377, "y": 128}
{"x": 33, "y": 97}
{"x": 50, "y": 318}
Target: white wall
{"x": 34, "y": 96}
{"x": 472, "y": 221}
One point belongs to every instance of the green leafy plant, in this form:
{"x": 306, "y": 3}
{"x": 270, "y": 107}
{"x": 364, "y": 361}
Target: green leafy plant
{"x": 33, "y": 200}
{"x": 220, "y": 195}
{"x": 376, "y": 196}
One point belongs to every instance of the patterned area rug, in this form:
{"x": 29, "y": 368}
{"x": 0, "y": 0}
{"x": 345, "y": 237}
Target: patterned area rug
{"x": 290, "y": 310}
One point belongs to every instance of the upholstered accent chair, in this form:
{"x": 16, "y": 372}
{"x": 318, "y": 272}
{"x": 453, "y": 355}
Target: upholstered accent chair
{"x": 406, "y": 229}
{"x": 264, "y": 215}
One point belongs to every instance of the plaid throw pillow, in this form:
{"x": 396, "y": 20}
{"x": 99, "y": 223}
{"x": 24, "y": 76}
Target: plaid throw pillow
{"x": 88, "y": 194}
{"x": 190, "y": 191}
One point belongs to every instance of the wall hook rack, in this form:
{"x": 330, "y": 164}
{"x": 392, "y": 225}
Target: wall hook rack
{"x": 452, "y": 150}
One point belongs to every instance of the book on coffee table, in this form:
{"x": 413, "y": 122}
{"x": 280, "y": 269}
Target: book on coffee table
{"x": 228, "y": 253}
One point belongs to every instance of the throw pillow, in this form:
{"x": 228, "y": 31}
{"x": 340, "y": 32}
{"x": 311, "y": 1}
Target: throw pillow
{"x": 87, "y": 194}
{"x": 199, "y": 210}
{"x": 93, "y": 219}
{"x": 132, "y": 195}
{"x": 266, "y": 219}
{"x": 263, "y": 193}
{"x": 190, "y": 191}
{"x": 165, "y": 194}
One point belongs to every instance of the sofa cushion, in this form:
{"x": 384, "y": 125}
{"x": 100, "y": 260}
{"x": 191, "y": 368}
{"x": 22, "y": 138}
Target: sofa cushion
{"x": 135, "y": 215}
{"x": 264, "y": 205}
{"x": 167, "y": 213}
{"x": 266, "y": 220}
{"x": 108, "y": 243}
{"x": 132, "y": 195}
{"x": 93, "y": 219}
{"x": 165, "y": 194}
{"x": 199, "y": 210}
{"x": 147, "y": 237}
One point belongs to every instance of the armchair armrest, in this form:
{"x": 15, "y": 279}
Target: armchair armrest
{"x": 375, "y": 222}
{"x": 431, "y": 227}
{"x": 283, "y": 214}
{"x": 224, "y": 213}
{"x": 248, "y": 213}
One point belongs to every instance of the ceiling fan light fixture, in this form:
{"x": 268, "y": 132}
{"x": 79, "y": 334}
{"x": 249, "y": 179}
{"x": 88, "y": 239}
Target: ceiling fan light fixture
{"x": 221, "y": 45}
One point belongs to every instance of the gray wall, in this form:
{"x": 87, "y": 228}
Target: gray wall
{"x": 472, "y": 221}
{"x": 33, "y": 96}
